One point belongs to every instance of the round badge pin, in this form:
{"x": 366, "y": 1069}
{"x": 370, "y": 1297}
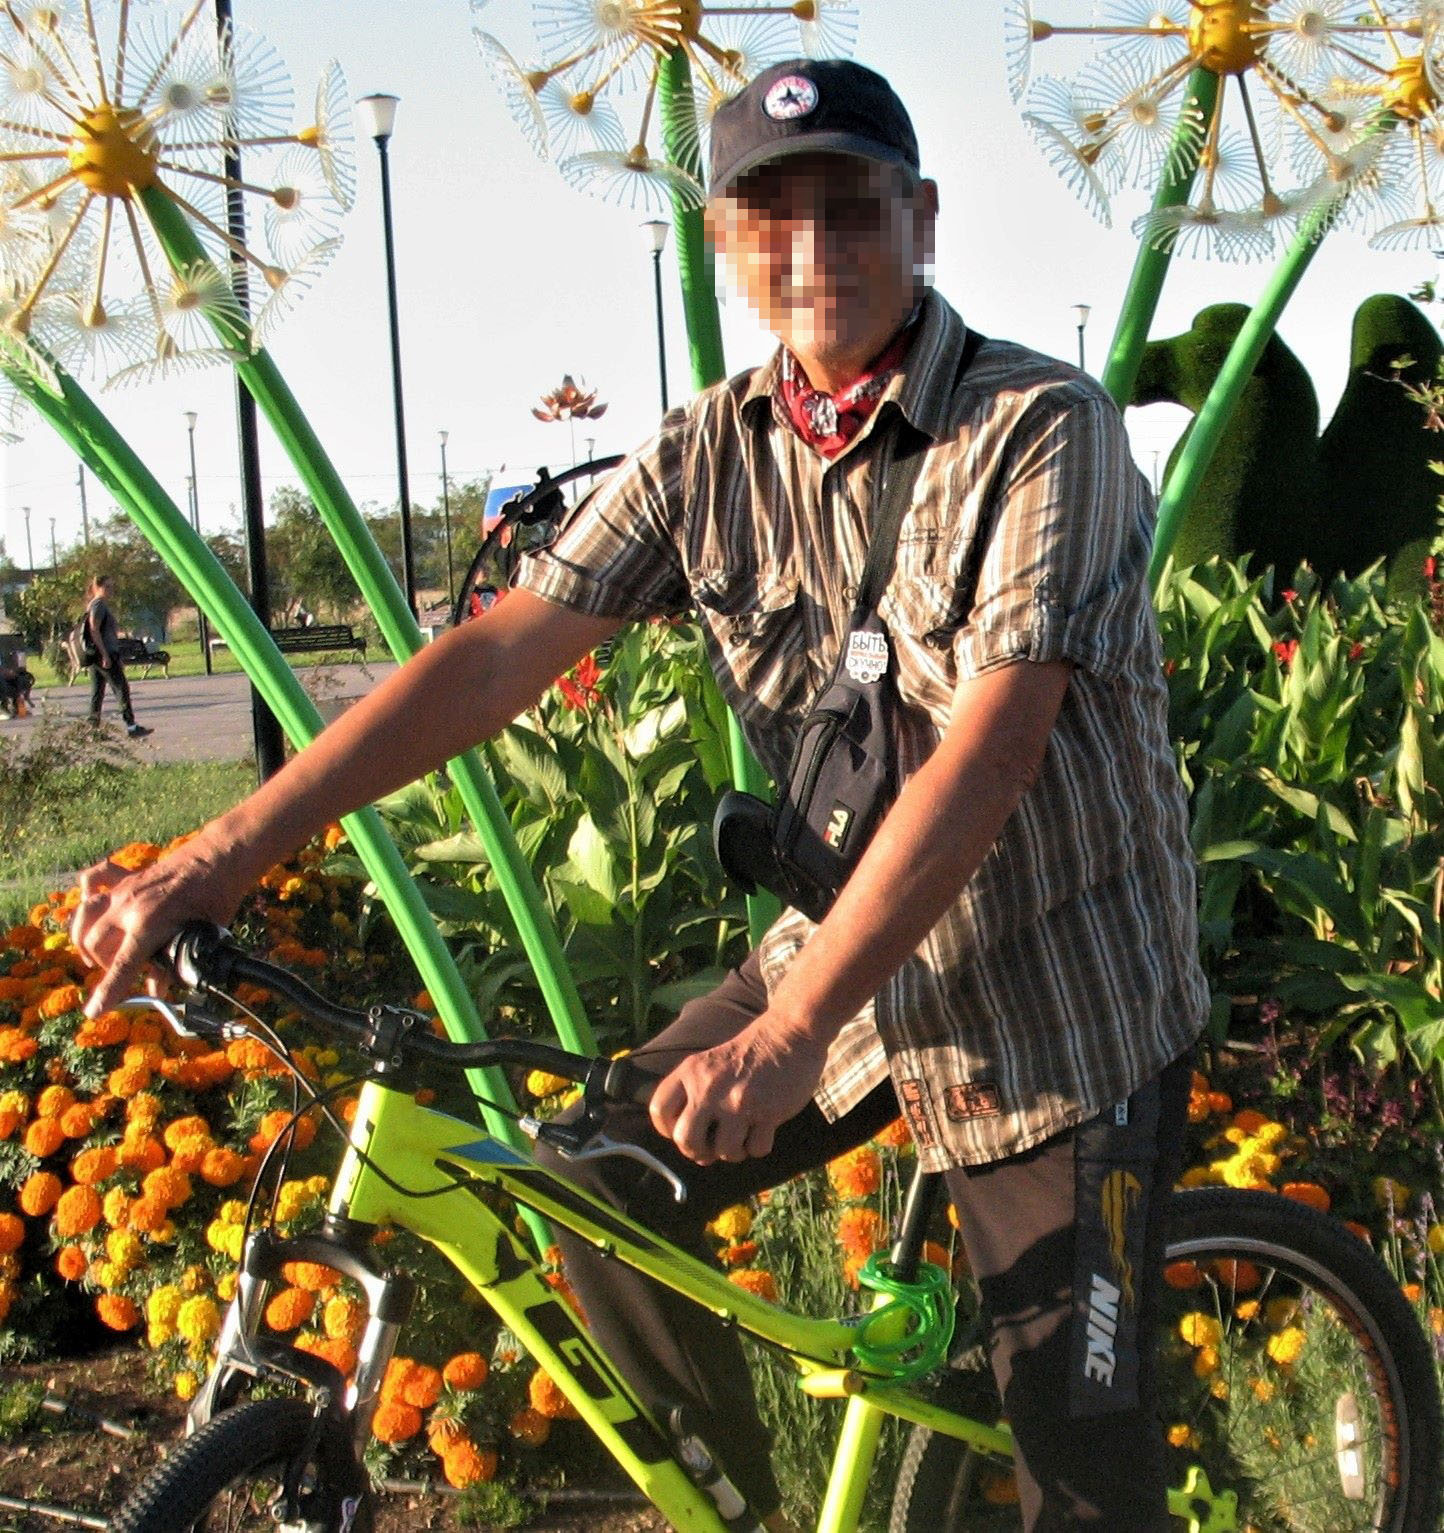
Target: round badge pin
{"x": 790, "y": 97}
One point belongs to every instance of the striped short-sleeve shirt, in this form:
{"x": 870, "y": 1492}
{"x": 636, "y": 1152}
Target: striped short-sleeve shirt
{"x": 1066, "y": 972}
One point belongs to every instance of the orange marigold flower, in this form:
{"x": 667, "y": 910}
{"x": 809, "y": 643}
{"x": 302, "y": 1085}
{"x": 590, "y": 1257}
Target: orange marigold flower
{"x": 39, "y": 1193}
{"x": 1308, "y": 1193}
{"x": 332, "y": 1349}
{"x": 117, "y": 1312}
{"x": 116, "y": 1207}
{"x": 24, "y": 939}
{"x": 147, "y": 1215}
{"x": 77, "y": 1121}
{"x": 143, "y": 1153}
{"x": 422, "y": 1387}
{"x": 529, "y": 1427}
{"x": 12, "y": 1233}
{"x": 128, "y": 1080}
{"x": 857, "y": 1174}
{"x": 443, "y": 1432}
{"x": 290, "y": 1308}
{"x": 166, "y": 1185}
{"x": 1361, "y": 1230}
{"x": 94, "y": 1165}
{"x": 896, "y": 1136}
{"x": 272, "y": 1125}
{"x": 77, "y": 1211}
{"x": 394, "y": 1380}
{"x": 71, "y": 1263}
{"x": 395, "y": 1421}
{"x": 53, "y": 1101}
{"x": 44, "y": 1137}
{"x": 547, "y": 1398}
{"x": 860, "y": 1231}
{"x": 136, "y": 855}
{"x": 11, "y": 989}
{"x": 64, "y": 999}
{"x": 1249, "y": 1119}
{"x": 312, "y": 1276}
{"x": 466, "y": 1464}
{"x": 221, "y": 1167}
{"x": 16, "y": 1047}
{"x": 738, "y": 1255}
{"x": 178, "y": 1130}
{"x": 755, "y": 1280}
{"x": 467, "y": 1370}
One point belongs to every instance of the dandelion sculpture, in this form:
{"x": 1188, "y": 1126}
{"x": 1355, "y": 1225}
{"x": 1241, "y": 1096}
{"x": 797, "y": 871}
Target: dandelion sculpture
{"x": 113, "y": 141}
{"x": 1255, "y": 120}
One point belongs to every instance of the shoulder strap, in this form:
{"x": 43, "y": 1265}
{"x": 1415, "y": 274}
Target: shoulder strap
{"x": 896, "y": 479}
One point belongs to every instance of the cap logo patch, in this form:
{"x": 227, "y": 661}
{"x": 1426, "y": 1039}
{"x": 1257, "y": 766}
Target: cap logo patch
{"x": 789, "y": 98}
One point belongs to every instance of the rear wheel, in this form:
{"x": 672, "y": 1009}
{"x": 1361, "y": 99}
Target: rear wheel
{"x": 1292, "y": 1371}
{"x": 263, "y": 1464}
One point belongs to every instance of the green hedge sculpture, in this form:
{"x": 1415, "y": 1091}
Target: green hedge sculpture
{"x": 1278, "y": 489}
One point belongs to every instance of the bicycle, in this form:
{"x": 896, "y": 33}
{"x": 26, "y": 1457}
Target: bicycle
{"x": 1314, "y": 1408}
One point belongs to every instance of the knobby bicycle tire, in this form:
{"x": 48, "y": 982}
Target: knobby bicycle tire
{"x": 1276, "y": 1321}
{"x": 210, "y": 1478}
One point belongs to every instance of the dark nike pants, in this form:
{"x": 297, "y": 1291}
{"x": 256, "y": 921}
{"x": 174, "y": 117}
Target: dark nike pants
{"x": 1065, "y": 1241}
{"x": 114, "y": 676}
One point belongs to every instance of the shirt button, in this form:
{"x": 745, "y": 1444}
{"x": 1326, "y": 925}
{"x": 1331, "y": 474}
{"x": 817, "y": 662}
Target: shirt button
{"x": 850, "y": 592}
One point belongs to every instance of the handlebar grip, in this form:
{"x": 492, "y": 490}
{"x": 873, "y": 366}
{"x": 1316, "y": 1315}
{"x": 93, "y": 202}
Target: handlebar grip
{"x": 624, "y": 1082}
{"x": 201, "y": 954}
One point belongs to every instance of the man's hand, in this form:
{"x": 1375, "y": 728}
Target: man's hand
{"x": 123, "y": 917}
{"x": 727, "y": 1103}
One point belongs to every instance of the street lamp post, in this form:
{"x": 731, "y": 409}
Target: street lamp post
{"x": 1081, "y": 312}
{"x": 54, "y": 560}
{"x": 379, "y": 115}
{"x": 203, "y": 628}
{"x": 657, "y": 236}
{"x": 446, "y": 515}
{"x": 29, "y": 551}
{"x": 84, "y": 509}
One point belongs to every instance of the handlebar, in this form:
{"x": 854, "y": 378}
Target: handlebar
{"x": 205, "y": 957}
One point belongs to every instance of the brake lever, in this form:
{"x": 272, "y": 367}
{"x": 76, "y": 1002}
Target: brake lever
{"x": 181, "y": 1015}
{"x": 601, "y": 1145}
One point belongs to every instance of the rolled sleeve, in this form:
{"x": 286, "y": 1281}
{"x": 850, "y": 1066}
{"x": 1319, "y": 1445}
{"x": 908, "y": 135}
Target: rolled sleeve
{"x": 1067, "y": 549}
{"x": 617, "y": 555}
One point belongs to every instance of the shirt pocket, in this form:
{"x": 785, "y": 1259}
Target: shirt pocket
{"x": 921, "y": 610}
{"x": 754, "y": 620}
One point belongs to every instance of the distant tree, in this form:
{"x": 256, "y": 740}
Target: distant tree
{"x": 306, "y": 568}
{"x": 47, "y": 608}
{"x": 145, "y": 588}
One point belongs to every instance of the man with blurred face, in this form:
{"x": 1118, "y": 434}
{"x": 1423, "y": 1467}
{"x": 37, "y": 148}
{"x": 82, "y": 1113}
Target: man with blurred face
{"x": 1012, "y": 961}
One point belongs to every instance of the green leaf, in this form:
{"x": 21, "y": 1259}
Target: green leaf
{"x": 532, "y": 765}
{"x": 588, "y": 908}
{"x": 465, "y": 846}
{"x": 591, "y": 854}
{"x": 1311, "y": 805}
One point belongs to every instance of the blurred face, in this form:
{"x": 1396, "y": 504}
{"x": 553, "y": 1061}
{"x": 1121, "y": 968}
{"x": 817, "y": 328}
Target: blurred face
{"x": 832, "y": 251}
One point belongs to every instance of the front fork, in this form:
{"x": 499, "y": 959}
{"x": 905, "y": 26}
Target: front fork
{"x": 243, "y": 1351}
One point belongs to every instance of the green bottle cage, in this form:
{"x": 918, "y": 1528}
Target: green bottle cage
{"x": 909, "y": 1335}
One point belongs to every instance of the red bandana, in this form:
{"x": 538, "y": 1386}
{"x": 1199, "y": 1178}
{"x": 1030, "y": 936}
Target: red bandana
{"x": 828, "y": 422}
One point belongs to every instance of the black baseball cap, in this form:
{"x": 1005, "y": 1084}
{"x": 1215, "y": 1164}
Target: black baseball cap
{"x": 810, "y": 106}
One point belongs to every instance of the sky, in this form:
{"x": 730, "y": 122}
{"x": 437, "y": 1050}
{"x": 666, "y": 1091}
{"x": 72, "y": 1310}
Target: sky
{"x": 508, "y": 278}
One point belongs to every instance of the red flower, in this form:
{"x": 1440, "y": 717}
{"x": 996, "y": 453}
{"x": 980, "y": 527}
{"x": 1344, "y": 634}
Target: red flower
{"x": 1291, "y": 595}
{"x": 1356, "y": 649}
{"x": 579, "y": 689}
{"x": 1285, "y": 649}
{"x": 1431, "y": 564}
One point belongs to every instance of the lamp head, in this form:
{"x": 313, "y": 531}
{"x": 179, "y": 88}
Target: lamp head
{"x": 657, "y": 234}
{"x": 190, "y": 419}
{"x": 443, "y": 435}
{"x": 1081, "y": 311}
{"x": 378, "y": 115}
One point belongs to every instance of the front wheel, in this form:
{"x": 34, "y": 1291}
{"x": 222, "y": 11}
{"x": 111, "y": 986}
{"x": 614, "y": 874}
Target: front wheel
{"x": 259, "y": 1465}
{"x": 1292, "y": 1371}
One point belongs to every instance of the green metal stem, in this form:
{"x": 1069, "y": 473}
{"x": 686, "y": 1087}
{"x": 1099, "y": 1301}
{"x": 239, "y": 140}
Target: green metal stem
{"x": 1218, "y": 409}
{"x": 704, "y": 342}
{"x": 399, "y": 630}
{"x": 1140, "y": 302}
{"x": 82, "y": 426}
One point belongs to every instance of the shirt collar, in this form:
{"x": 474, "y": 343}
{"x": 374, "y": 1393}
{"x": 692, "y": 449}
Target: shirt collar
{"x": 922, "y": 385}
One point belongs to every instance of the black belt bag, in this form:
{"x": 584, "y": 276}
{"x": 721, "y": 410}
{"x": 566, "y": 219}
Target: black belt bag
{"x": 843, "y": 776}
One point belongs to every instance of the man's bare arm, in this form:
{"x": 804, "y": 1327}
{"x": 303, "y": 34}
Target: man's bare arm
{"x": 726, "y": 1104}
{"x": 462, "y": 689}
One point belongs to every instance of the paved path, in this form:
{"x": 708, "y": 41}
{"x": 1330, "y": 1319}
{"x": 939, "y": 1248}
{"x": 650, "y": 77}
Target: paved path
{"x": 199, "y": 718}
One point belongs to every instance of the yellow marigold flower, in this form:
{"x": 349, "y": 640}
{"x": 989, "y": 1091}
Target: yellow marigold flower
{"x": 1205, "y": 1362}
{"x": 1246, "y": 1310}
{"x": 1269, "y": 1134}
{"x": 186, "y": 1384}
{"x": 156, "y": 1336}
{"x": 1200, "y": 1330}
{"x": 163, "y": 1305}
{"x": 195, "y": 1279}
{"x": 232, "y": 1211}
{"x": 198, "y": 1319}
{"x": 542, "y": 1083}
{"x": 1181, "y": 1435}
{"x": 294, "y": 1199}
{"x": 226, "y": 1287}
{"x": 1263, "y": 1389}
{"x": 125, "y": 1249}
{"x": 107, "y": 1274}
{"x": 733, "y": 1223}
{"x": 343, "y": 1318}
{"x": 1286, "y": 1346}
{"x": 1435, "y": 1238}
{"x": 1218, "y": 1387}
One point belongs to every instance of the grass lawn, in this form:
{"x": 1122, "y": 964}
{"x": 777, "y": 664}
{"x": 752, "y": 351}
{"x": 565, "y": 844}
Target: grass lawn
{"x": 81, "y": 819}
{"x": 185, "y": 660}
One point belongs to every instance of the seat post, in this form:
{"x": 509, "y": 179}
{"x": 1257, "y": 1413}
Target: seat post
{"x": 913, "y": 1226}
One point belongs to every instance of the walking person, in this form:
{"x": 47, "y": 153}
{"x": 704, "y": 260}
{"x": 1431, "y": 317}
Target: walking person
{"x": 102, "y": 640}
{"x": 1012, "y": 959}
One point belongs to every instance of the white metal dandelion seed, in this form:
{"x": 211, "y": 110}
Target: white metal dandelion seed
{"x": 1305, "y": 88}
{"x": 98, "y": 107}
{"x": 589, "y": 54}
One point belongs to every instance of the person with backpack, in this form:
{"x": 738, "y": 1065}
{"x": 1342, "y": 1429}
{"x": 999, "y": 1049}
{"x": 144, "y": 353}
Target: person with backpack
{"x": 98, "y": 644}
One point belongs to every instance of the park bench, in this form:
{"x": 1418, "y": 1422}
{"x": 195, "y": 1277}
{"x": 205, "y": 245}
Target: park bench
{"x": 312, "y": 640}
{"x": 133, "y": 651}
